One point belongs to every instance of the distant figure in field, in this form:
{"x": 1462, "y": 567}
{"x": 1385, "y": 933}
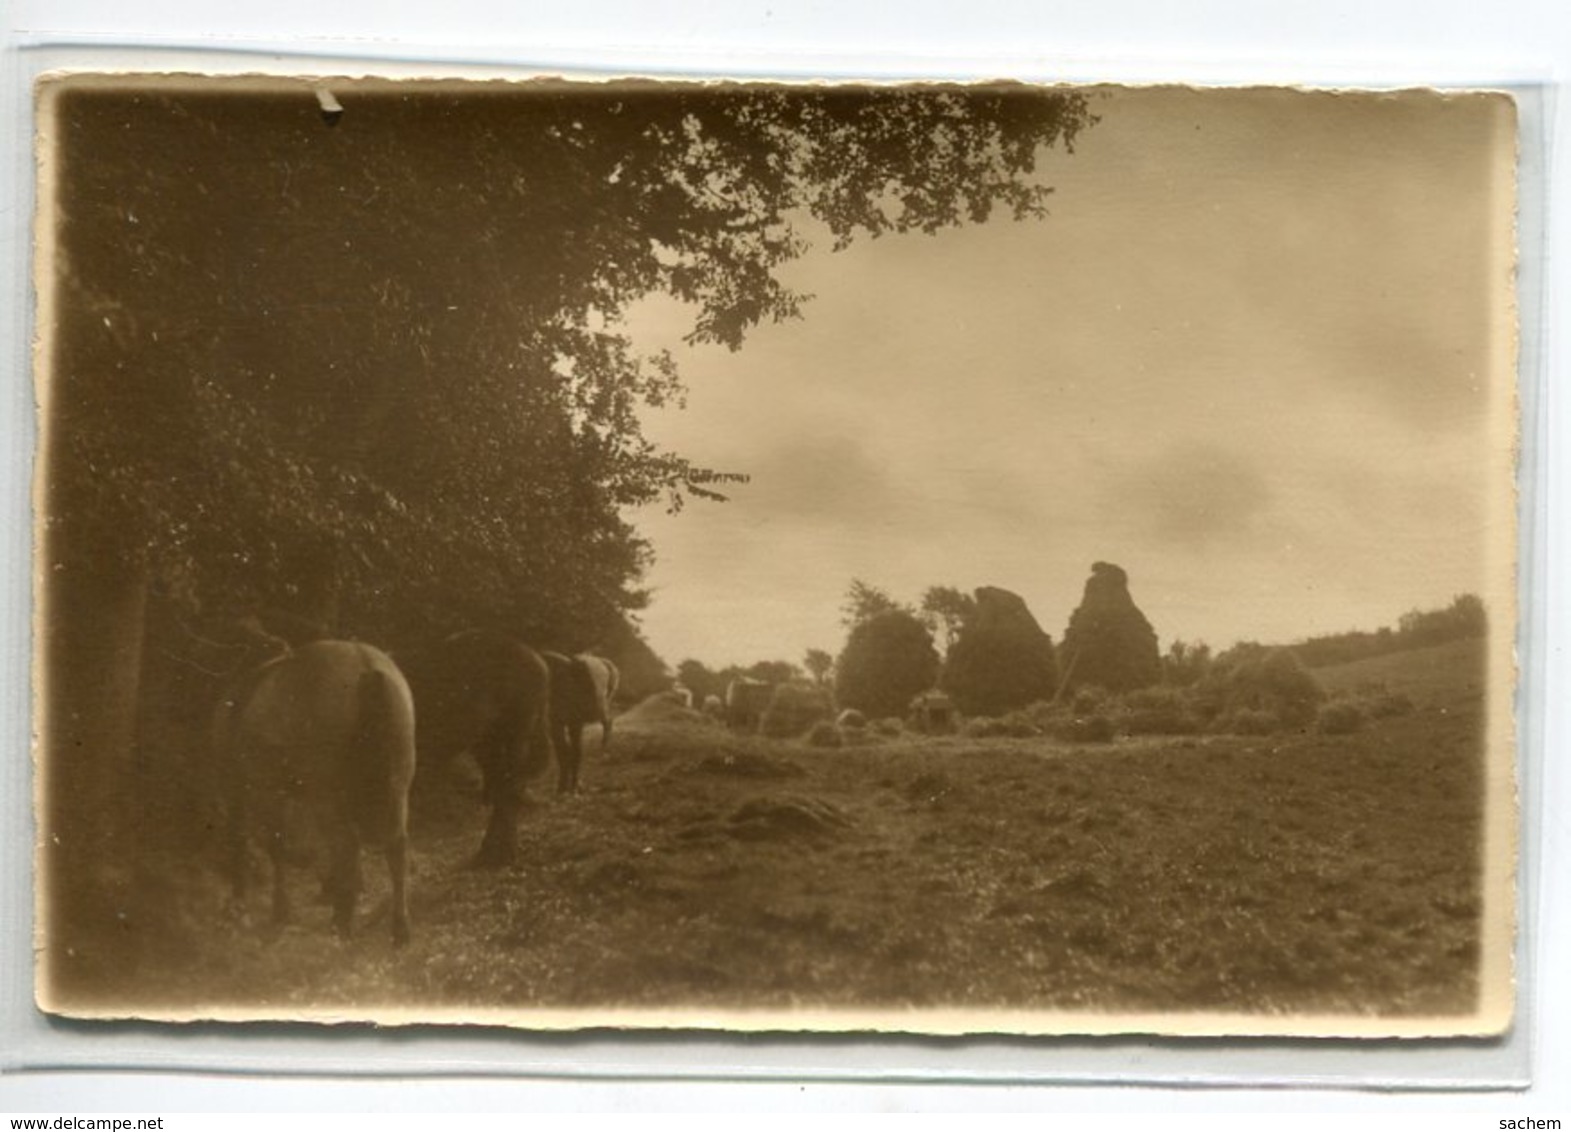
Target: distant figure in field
{"x": 714, "y": 708}
{"x": 745, "y": 701}
{"x": 933, "y": 712}
{"x": 583, "y": 688}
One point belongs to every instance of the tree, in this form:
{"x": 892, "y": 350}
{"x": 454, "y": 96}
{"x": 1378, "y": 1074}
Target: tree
{"x": 1109, "y": 643}
{"x": 864, "y": 602}
{"x": 1002, "y": 659}
{"x": 374, "y": 373}
{"x": 699, "y": 680}
{"x": 1184, "y": 664}
{"x": 1464, "y": 617}
{"x": 947, "y": 610}
{"x": 773, "y": 671}
{"x": 640, "y": 670}
{"x": 818, "y": 664}
{"x": 888, "y": 659}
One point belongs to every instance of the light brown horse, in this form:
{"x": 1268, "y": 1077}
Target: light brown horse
{"x": 324, "y": 732}
{"x": 583, "y": 688}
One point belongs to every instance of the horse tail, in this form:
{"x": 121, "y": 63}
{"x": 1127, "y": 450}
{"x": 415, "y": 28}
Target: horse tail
{"x": 535, "y": 735}
{"x": 612, "y": 683}
{"x": 380, "y": 756}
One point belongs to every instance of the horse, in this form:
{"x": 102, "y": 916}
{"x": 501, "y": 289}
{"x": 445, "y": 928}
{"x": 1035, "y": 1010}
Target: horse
{"x": 582, "y": 690}
{"x": 328, "y": 729}
{"x": 489, "y": 694}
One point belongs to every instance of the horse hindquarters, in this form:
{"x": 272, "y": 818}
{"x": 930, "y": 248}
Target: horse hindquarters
{"x": 500, "y": 788}
{"x": 569, "y": 756}
{"x": 376, "y": 771}
{"x": 613, "y": 683}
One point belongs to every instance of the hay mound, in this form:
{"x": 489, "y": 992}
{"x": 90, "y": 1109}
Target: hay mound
{"x": 662, "y": 707}
{"x": 749, "y": 765}
{"x": 793, "y": 710}
{"x": 785, "y": 816}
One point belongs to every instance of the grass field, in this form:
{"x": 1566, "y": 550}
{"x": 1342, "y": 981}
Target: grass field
{"x": 1438, "y": 676}
{"x": 1282, "y": 874}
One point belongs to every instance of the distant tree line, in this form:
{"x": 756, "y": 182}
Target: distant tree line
{"x": 987, "y": 653}
{"x": 1465, "y": 618}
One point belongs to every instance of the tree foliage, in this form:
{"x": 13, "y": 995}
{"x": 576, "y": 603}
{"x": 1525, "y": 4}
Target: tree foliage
{"x": 864, "y": 601}
{"x": 380, "y": 365}
{"x": 1002, "y": 660}
{"x": 947, "y": 610}
{"x": 375, "y": 374}
{"x": 1466, "y": 617}
{"x": 888, "y": 659}
{"x": 1109, "y": 643}
{"x": 772, "y": 671}
{"x": 818, "y": 664}
{"x": 1185, "y": 663}
{"x": 699, "y": 679}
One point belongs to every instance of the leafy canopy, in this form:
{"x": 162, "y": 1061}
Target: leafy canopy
{"x": 389, "y": 352}
{"x": 888, "y": 659}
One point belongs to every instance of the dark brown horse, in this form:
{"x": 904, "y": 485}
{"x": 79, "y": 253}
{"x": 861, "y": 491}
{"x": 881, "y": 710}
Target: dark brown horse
{"x": 582, "y": 690}
{"x": 324, "y": 733}
{"x": 488, "y": 694}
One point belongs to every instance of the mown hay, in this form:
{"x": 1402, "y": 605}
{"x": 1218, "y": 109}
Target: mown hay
{"x": 748, "y": 765}
{"x": 1276, "y": 684}
{"x": 1097, "y": 728}
{"x": 825, "y": 734}
{"x": 1015, "y": 725}
{"x": 662, "y": 707}
{"x": 1340, "y": 718}
{"x": 1249, "y": 721}
{"x": 793, "y": 710}
{"x": 786, "y": 816}
{"x": 1158, "y": 710}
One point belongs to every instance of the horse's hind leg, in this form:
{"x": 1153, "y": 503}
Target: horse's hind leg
{"x": 347, "y": 880}
{"x": 398, "y": 872}
{"x": 569, "y": 756}
{"x": 499, "y": 846}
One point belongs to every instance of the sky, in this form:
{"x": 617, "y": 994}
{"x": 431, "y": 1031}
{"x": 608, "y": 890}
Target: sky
{"x": 1259, "y": 355}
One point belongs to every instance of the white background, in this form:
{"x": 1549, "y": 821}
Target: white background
{"x": 1379, "y": 42}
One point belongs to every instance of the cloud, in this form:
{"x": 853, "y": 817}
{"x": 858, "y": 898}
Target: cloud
{"x": 1251, "y": 358}
{"x": 818, "y": 477}
{"x": 1193, "y": 495}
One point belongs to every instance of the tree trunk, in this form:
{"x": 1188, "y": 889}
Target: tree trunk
{"x": 94, "y": 606}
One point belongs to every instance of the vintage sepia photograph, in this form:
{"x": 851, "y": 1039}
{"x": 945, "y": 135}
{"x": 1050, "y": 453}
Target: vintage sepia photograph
{"x": 916, "y": 557}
